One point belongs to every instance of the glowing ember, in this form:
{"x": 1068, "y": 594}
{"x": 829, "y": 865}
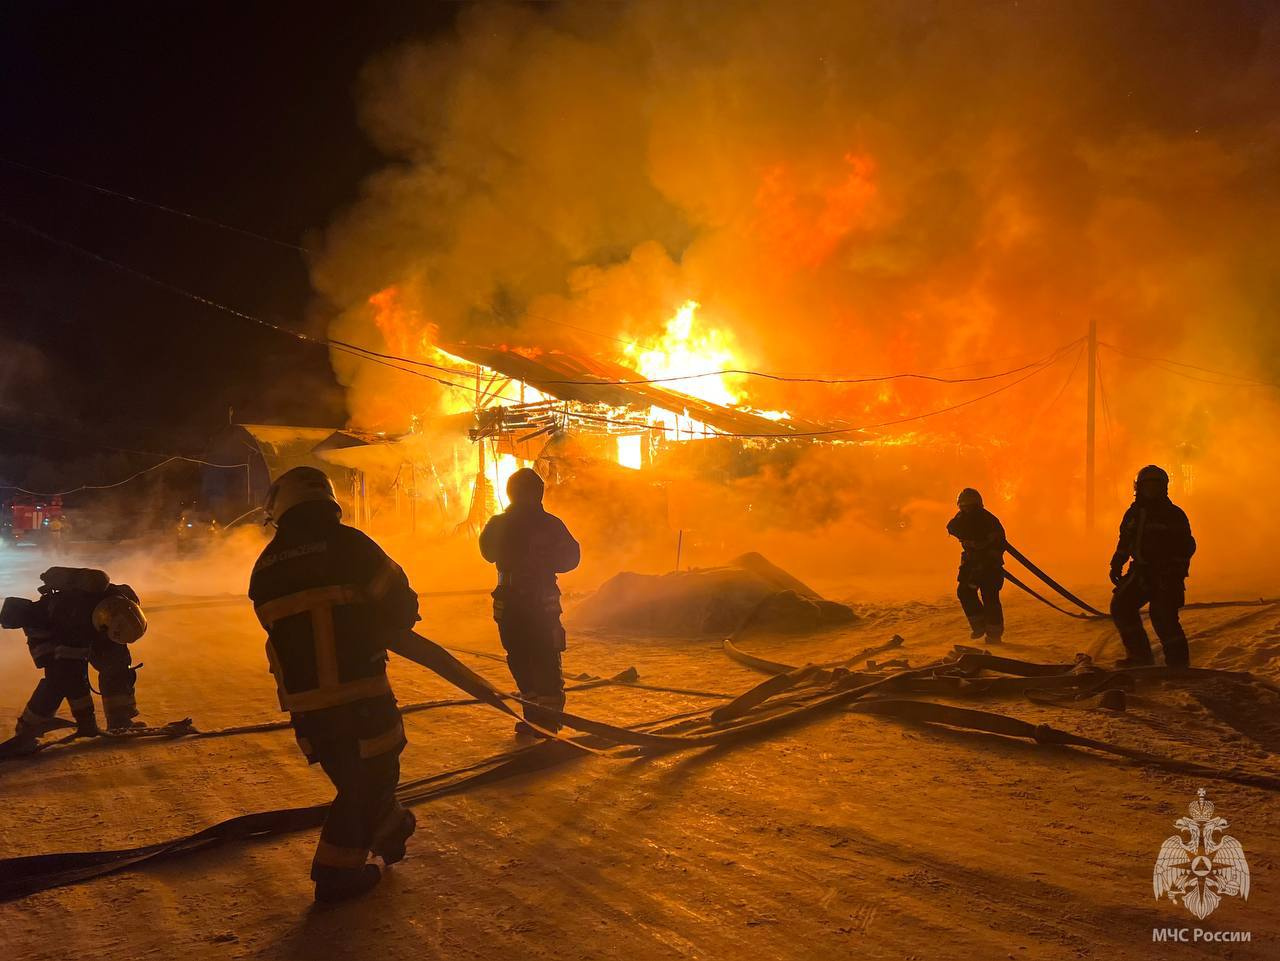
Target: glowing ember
{"x": 683, "y": 351}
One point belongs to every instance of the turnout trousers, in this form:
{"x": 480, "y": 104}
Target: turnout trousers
{"x": 116, "y": 681}
{"x": 534, "y": 638}
{"x": 979, "y": 595}
{"x": 66, "y": 677}
{"x": 358, "y": 746}
{"x": 1166, "y": 596}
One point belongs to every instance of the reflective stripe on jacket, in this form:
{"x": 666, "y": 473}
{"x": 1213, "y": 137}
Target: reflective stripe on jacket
{"x": 330, "y": 600}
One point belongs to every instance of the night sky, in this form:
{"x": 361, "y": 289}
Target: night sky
{"x": 241, "y": 112}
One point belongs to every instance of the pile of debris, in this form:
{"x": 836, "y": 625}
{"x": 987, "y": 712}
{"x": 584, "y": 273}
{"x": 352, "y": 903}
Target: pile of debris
{"x": 708, "y": 601}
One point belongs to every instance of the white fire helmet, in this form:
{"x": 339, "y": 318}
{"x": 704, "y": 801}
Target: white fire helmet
{"x": 120, "y": 619}
{"x": 301, "y": 485}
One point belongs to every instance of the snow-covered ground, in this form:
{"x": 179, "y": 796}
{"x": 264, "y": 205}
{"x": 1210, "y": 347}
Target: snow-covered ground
{"x": 849, "y": 836}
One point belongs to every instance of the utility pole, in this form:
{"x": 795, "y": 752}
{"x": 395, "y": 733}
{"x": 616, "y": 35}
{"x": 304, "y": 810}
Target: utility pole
{"x": 1090, "y": 460}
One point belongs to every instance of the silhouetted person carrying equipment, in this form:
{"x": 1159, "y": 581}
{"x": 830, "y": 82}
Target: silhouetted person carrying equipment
{"x": 981, "y": 565}
{"x": 1156, "y": 541}
{"x": 330, "y": 601}
{"x": 81, "y": 619}
{"x": 530, "y": 547}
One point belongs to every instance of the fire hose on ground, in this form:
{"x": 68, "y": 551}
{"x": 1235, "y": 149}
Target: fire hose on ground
{"x": 842, "y": 688}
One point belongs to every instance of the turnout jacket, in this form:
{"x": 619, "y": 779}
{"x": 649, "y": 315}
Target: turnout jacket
{"x": 981, "y": 536}
{"x": 1156, "y": 535}
{"x": 59, "y": 626}
{"x": 330, "y": 600}
{"x": 530, "y": 547}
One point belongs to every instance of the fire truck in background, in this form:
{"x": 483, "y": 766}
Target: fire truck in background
{"x": 28, "y": 521}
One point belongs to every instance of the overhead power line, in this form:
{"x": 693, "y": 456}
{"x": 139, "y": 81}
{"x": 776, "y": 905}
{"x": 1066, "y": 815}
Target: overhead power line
{"x": 394, "y": 361}
{"x": 342, "y": 346}
{"x": 120, "y": 483}
{"x": 1045, "y": 365}
{"x": 1169, "y": 364}
{"x": 797, "y": 379}
{"x": 187, "y": 215}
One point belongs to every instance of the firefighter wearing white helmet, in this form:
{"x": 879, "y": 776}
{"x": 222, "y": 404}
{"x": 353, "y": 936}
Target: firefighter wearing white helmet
{"x": 120, "y": 619}
{"x": 301, "y": 485}
{"x": 981, "y": 575}
{"x": 1156, "y": 544}
{"x": 80, "y": 620}
{"x": 331, "y": 601}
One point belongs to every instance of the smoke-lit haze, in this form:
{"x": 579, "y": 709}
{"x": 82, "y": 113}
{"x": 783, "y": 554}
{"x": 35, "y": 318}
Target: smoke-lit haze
{"x": 853, "y": 189}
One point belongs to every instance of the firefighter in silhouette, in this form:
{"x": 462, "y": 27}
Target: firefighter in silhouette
{"x": 981, "y": 575}
{"x": 330, "y": 600}
{"x": 81, "y": 619}
{"x": 1156, "y": 542}
{"x": 530, "y": 547}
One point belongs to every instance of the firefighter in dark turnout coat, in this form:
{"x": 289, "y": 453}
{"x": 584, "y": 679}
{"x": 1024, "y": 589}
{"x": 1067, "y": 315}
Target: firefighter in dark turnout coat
{"x": 530, "y": 547}
{"x": 981, "y": 574}
{"x": 1156, "y": 542}
{"x": 330, "y": 601}
{"x": 81, "y": 619}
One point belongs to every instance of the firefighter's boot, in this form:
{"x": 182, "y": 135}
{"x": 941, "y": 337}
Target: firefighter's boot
{"x": 525, "y": 734}
{"x": 391, "y": 848}
{"x": 86, "y": 716}
{"x": 24, "y": 741}
{"x": 344, "y": 888}
{"x": 120, "y": 709}
{"x": 977, "y": 627}
{"x": 1135, "y": 660}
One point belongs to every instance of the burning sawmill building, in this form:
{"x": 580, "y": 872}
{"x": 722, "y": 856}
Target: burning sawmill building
{"x": 642, "y": 458}
{"x": 577, "y": 419}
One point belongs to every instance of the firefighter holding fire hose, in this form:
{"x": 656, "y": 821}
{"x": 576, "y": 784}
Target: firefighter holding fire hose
{"x": 330, "y": 601}
{"x": 530, "y": 547}
{"x": 81, "y": 619}
{"x": 1156, "y": 542}
{"x": 981, "y": 575}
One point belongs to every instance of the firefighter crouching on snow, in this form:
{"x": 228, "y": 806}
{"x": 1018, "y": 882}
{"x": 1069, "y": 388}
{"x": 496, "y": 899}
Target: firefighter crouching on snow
{"x": 530, "y": 547}
{"x": 1156, "y": 542}
{"x": 981, "y": 565}
{"x": 81, "y": 619}
{"x": 330, "y": 600}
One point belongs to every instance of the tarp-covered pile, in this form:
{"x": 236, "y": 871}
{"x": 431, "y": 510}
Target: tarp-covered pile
{"x": 714, "y": 600}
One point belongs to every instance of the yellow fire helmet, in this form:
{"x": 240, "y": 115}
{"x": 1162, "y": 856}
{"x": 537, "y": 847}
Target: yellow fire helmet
{"x": 298, "y": 486}
{"x": 120, "y": 619}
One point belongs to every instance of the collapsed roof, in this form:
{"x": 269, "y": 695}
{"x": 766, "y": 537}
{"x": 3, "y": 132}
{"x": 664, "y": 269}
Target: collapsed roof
{"x": 598, "y": 381}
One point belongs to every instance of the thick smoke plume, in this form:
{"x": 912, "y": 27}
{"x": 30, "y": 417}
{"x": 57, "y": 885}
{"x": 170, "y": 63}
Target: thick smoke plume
{"x": 848, "y": 189}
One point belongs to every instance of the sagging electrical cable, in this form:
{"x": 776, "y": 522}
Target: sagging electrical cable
{"x": 132, "y": 477}
{"x": 196, "y": 218}
{"x": 393, "y": 361}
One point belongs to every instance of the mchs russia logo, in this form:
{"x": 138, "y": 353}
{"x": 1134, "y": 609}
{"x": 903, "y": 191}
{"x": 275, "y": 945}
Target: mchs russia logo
{"x": 1200, "y": 865}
